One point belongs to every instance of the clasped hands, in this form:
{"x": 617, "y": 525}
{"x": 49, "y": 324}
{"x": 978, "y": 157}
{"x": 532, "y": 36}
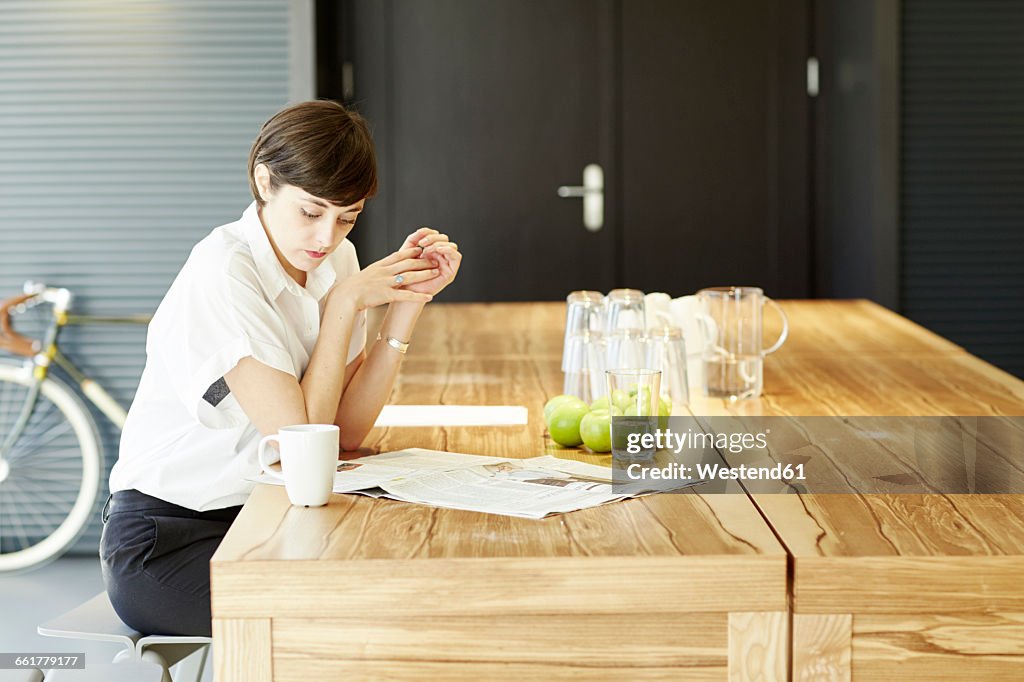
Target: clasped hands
{"x": 426, "y": 263}
{"x": 441, "y": 252}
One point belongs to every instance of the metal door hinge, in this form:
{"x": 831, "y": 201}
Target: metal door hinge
{"x": 348, "y": 82}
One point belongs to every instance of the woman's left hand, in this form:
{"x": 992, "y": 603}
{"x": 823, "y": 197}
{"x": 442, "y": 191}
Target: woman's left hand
{"x": 444, "y": 254}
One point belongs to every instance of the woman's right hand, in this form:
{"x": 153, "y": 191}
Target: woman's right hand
{"x": 378, "y": 283}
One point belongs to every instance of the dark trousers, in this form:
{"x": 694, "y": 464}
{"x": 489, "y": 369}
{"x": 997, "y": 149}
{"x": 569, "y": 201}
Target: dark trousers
{"x": 155, "y": 558}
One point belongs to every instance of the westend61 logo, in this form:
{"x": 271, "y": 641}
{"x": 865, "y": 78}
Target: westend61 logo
{"x": 668, "y": 439}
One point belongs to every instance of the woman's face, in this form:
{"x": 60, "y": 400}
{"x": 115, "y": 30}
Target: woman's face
{"x": 303, "y": 228}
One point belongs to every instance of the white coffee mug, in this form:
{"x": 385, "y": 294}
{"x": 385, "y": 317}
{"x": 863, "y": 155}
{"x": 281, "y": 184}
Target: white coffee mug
{"x": 656, "y": 307}
{"x": 699, "y": 330}
{"x": 309, "y": 459}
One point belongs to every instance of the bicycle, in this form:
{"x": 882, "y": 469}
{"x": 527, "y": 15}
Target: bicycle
{"x": 51, "y": 456}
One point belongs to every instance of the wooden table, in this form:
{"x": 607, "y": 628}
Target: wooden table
{"x": 886, "y": 586}
{"x": 681, "y": 586}
{"x": 684, "y": 586}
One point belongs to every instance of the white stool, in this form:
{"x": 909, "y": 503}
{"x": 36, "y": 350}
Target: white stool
{"x": 96, "y": 620}
{"x": 125, "y": 671}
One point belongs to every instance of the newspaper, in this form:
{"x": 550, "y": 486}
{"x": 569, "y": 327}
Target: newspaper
{"x": 529, "y": 488}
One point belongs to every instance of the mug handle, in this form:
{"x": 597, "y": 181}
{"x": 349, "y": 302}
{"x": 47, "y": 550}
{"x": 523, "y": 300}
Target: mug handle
{"x": 785, "y": 328}
{"x": 265, "y": 466}
{"x": 709, "y": 330}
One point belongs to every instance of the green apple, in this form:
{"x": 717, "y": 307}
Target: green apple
{"x": 564, "y": 425}
{"x": 596, "y": 430}
{"x": 664, "y": 411}
{"x": 619, "y": 398}
{"x": 556, "y": 402}
{"x": 602, "y": 404}
{"x": 637, "y": 388}
{"x": 638, "y": 408}
{"x": 612, "y": 411}
{"x": 639, "y": 397}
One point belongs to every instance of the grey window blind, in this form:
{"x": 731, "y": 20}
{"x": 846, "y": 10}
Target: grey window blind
{"x": 963, "y": 173}
{"x": 125, "y": 127}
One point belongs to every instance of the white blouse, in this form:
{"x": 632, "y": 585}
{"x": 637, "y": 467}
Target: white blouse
{"x": 187, "y": 440}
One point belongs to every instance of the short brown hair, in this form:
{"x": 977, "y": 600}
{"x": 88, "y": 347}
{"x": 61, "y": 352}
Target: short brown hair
{"x": 320, "y": 147}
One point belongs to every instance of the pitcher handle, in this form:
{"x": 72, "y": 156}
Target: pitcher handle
{"x": 785, "y": 328}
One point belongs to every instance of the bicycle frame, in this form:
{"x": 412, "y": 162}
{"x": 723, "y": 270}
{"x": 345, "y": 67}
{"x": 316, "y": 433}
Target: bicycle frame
{"x": 45, "y": 352}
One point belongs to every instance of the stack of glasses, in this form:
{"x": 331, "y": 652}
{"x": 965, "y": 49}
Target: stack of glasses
{"x": 615, "y": 332}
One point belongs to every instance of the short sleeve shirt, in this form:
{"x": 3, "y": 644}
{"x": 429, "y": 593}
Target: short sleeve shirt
{"x": 187, "y": 440}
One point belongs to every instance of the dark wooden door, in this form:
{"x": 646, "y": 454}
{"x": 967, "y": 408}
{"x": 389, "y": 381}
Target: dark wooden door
{"x": 481, "y": 111}
{"x": 715, "y": 145}
{"x": 694, "y": 110}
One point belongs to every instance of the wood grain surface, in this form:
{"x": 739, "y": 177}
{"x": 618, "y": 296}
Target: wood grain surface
{"x": 883, "y": 586}
{"x": 515, "y": 647}
{"x": 242, "y": 649}
{"x": 939, "y": 647}
{"x": 895, "y": 586}
{"x": 904, "y": 584}
{"x": 352, "y": 527}
{"x": 822, "y": 648}
{"x": 886, "y": 367}
{"x": 376, "y": 588}
{"x": 758, "y": 646}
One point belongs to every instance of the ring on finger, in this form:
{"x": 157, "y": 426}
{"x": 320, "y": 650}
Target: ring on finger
{"x": 399, "y": 279}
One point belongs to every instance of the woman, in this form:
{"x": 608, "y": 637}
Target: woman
{"x": 264, "y": 326}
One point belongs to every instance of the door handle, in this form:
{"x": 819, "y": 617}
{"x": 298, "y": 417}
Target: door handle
{"x": 592, "y": 193}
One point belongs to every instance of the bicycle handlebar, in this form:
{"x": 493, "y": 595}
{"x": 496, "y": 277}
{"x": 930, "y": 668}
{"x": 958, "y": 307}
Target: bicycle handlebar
{"x": 11, "y": 340}
{"x": 16, "y": 343}
{"x": 60, "y": 298}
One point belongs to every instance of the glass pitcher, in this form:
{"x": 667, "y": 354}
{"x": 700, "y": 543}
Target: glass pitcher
{"x": 734, "y": 359}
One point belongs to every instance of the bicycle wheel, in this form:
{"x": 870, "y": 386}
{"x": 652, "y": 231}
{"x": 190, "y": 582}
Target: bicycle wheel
{"x": 50, "y": 479}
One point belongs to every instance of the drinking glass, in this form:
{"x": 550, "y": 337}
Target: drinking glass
{"x": 636, "y": 392}
{"x": 699, "y": 330}
{"x": 625, "y": 310}
{"x": 584, "y": 314}
{"x": 666, "y": 351}
{"x": 627, "y": 349}
{"x": 584, "y": 366}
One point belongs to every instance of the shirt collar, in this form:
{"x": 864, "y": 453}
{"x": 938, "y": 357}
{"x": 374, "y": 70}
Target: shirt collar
{"x": 318, "y": 282}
